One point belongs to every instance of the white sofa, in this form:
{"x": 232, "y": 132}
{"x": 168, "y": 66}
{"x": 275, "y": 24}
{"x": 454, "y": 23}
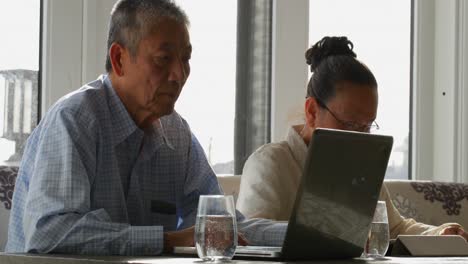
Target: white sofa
{"x": 429, "y": 202}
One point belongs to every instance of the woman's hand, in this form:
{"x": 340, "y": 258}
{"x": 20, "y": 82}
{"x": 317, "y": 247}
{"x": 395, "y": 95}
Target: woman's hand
{"x": 454, "y": 230}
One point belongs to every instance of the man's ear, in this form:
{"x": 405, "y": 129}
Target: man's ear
{"x": 311, "y": 111}
{"x": 116, "y": 54}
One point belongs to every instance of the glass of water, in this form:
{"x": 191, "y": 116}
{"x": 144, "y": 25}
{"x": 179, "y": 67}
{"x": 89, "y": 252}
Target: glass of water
{"x": 216, "y": 228}
{"x": 378, "y": 241}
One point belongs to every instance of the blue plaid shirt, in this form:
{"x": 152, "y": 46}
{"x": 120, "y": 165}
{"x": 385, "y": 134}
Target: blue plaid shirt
{"x": 92, "y": 182}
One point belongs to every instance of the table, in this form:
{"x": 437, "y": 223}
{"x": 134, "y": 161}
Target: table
{"x": 6, "y": 258}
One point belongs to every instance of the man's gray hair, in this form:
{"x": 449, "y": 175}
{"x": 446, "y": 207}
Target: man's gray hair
{"x": 133, "y": 20}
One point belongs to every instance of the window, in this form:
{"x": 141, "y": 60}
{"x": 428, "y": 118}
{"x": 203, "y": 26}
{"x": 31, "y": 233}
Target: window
{"x": 381, "y": 34}
{"x": 19, "y": 67}
{"x": 207, "y": 101}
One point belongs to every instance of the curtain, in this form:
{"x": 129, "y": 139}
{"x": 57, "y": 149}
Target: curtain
{"x": 253, "y": 79}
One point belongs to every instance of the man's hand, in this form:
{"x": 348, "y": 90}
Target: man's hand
{"x": 454, "y": 230}
{"x": 185, "y": 238}
{"x": 241, "y": 240}
{"x": 182, "y": 238}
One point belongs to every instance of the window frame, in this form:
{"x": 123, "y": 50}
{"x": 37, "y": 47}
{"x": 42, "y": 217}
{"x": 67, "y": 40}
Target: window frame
{"x": 440, "y": 100}
{"x": 440, "y": 37}
{"x": 73, "y": 45}
{"x": 290, "y": 33}
{"x": 39, "y": 86}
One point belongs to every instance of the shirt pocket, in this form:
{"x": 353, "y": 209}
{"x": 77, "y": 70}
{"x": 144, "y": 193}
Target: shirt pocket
{"x": 164, "y": 213}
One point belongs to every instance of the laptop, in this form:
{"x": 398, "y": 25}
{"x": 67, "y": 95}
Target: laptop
{"x": 336, "y": 199}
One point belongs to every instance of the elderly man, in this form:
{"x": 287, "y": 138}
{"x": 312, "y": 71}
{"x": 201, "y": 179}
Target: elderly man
{"x": 111, "y": 168}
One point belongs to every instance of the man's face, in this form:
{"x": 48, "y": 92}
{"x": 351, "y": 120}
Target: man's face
{"x": 353, "y": 107}
{"x": 154, "y": 78}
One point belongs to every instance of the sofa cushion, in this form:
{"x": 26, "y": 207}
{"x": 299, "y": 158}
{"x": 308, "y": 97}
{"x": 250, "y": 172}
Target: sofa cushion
{"x": 7, "y": 185}
{"x": 230, "y": 185}
{"x": 430, "y": 202}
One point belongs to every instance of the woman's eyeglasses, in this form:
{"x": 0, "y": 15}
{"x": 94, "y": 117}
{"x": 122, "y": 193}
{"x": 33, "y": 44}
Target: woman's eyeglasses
{"x": 349, "y": 125}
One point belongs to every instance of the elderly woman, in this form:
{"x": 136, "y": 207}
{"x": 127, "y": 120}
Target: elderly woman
{"x": 342, "y": 94}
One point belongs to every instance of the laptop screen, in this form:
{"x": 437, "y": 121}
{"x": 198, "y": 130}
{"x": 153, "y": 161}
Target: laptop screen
{"x": 340, "y": 186}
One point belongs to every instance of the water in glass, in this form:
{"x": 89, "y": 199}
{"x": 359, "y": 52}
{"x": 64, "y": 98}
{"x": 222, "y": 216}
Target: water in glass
{"x": 215, "y": 237}
{"x": 216, "y": 228}
{"x": 378, "y": 240}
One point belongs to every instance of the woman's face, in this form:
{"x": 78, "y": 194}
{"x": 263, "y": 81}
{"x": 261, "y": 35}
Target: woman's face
{"x": 354, "y": 107}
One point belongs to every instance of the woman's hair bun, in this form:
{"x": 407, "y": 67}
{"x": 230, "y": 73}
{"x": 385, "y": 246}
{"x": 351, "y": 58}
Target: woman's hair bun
{"x": 326, "y": 47}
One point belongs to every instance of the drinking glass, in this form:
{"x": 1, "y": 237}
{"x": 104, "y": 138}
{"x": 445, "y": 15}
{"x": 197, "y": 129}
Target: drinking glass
{"x": 216, "y": 228}
{"x": 378, "y": 241}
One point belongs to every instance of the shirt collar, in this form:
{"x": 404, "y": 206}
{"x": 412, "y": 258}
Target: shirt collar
{"x": 159, "y": 134}
{"x": 124, "y": 125}
{"x": 297, "y": 145}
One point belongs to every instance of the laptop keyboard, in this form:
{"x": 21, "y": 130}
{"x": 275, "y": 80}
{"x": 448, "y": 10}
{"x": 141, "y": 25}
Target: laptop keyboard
{"x": 258, "y": 248}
